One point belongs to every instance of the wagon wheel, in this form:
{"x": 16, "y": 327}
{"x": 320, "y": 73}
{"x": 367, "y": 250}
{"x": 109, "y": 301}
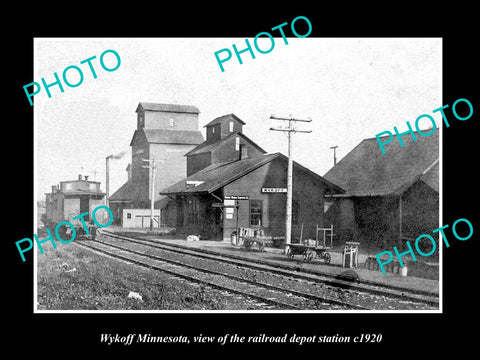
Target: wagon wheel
{"x": 262, "y": 246}
{"x": 310, "y": 256}
{"x": 305, "y": 255}
{"x": 327, "y": 258}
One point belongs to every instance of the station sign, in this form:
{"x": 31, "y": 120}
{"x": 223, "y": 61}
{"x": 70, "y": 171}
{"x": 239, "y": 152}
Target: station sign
{"x": 274, "y": 190}
{"x": 236, "y": 197}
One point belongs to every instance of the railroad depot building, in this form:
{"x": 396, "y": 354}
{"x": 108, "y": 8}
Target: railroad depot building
{"x": 389, "y": 198}
{"x": 229, "y": 169}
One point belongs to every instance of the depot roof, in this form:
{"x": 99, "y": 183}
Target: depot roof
{"x": 365, "y": 171}
{"x": 216, "y": 176}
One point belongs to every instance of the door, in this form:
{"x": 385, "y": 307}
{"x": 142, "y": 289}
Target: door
{"x": 71, "y": 209}
{"x": 84, "y": 206}
{"x": 179, "y": 206}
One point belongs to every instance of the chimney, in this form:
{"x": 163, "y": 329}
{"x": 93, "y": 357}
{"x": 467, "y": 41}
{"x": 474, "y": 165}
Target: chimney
{"x": 129, "y": 171}
{"x": 54, "y": 188}
{"x": 86, "y": 177}
{"x": 79, "y": 176}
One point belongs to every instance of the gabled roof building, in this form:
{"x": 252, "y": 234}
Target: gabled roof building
{"x": 165, "y": 132}
{"x": 231, "y": 169}
{"x": 389, "y": 198}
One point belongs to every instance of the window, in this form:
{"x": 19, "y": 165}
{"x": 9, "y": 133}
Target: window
{"x": 237, "y": 143}
{"x": 129, "y": 215}
{"x": 295, "y": 211}
{"x": 230, "y": 126}
{"x": 213, "y": 129}
{"x": 256, "y": 212}
{"x": 172, "y": 122}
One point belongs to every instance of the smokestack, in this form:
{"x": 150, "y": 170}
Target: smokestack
{"x": 54, "y": 188}
{"x": 107, "y": 176}
{"x": 107, "y": 179}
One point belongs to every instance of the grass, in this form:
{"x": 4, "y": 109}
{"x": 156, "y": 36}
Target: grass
{"x": 100, "y": 283}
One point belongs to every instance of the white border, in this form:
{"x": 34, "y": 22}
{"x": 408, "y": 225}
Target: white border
{"x": 300, "y": 312}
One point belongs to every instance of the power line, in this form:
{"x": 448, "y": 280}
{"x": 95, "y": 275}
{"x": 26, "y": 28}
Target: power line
{"x": 289, "y": 130}
{"x": 151, "y": 165}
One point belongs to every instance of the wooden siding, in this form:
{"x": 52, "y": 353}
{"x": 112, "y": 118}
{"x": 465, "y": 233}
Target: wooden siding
{"x": 420, "y": 206}
{"x": 227, "y": 151}
{"x": 213, "y": 133}
{"x": 173, "y": 169}
{"x": 308, "y": 192}
{"x": 374, "y": 221}
{"x": 198, "y": 162}
{"x": 225, "y": 127}
{"x": 161, "y": 120}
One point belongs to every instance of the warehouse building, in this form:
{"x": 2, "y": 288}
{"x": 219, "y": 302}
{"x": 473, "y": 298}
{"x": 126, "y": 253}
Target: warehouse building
{"x": 232, "y": 182}
{"x": 389, "y": 198}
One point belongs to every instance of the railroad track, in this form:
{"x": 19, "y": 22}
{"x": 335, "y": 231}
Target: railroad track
{"x": 281, "y": 288}
{"x": 278, "y": 297}
{"x": 179, "y": 272}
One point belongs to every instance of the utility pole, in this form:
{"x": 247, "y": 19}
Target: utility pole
{"x": 151, "y": 165}
{"x": 334, "y": 154}
{"x": 289, "y": 130}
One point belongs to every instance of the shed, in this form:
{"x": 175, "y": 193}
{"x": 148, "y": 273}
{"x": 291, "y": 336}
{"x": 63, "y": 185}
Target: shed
{"x": 389, "y": 198}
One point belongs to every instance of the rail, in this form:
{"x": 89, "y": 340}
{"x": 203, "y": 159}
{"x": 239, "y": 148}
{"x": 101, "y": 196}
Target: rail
{"x": 287, "y": 270}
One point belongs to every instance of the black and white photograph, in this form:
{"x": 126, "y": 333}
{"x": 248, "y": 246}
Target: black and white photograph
{"x": 230, "y": 226}
{"x": 271, "y": 183}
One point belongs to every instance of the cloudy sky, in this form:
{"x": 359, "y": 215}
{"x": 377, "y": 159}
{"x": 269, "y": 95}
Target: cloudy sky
{"x": 351, "y": 88}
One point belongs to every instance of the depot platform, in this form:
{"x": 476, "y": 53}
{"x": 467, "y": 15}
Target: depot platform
{"x": 277, "y": 257}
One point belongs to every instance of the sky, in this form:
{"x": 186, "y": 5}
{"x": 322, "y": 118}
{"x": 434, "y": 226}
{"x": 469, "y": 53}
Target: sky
{"x": 351, "y": 88}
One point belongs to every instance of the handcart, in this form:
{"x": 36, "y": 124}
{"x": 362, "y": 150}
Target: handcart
{"x": 311, "y": 249}
{"x": 249, "y": 237}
